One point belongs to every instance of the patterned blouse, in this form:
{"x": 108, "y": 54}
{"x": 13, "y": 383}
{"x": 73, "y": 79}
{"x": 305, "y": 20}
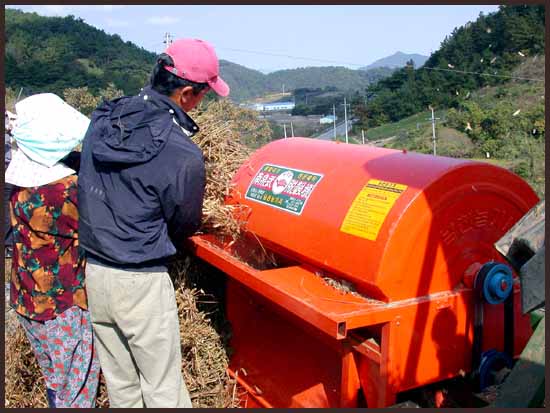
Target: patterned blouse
{"x": 47, "y": 275}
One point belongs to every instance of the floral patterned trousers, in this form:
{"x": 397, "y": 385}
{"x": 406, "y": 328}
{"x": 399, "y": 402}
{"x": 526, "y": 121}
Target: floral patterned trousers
{"x": 65, "y": 351}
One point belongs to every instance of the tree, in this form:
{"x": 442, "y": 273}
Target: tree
{"x": 110, "y": 92}
{"x": 9, "y": 99}
{"x": 81, "y": 99}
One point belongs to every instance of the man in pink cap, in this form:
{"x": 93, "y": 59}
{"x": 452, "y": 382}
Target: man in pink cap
{"x": 140, "y": 192}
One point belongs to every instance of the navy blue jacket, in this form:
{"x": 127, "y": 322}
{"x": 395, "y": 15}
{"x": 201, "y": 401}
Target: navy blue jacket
{"x": 141, "y": 180}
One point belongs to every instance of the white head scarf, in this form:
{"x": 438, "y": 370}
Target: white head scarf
{"x": 25, "y": 172}
{"x": 46, "y": 130}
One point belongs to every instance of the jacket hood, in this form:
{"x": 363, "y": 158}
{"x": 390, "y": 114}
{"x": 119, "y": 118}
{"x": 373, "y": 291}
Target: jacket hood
{"x": 135, "y": 129}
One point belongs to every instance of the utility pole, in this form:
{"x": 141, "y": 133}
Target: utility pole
{"x": 283, "y": 88}
{"x": 167, "y": 39}
{"x": 433, "y": 119}
{"x": 346, "y": 118}
{"x": 284, "y": 127}
{"x": 291, "y": 130}
{"x": 334, "y": 120}
{"x": 366, "y": 120}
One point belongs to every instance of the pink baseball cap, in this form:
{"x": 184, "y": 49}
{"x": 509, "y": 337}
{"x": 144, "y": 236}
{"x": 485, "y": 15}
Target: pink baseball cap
{"x": 196, "y": 60}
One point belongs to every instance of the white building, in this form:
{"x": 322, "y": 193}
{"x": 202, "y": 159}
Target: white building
{"x": 328, "y": 119}
{"x": 274, "y": 106}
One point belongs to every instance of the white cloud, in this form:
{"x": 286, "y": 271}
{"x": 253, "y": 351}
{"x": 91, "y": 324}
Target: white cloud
{"x": 162, "y": 20}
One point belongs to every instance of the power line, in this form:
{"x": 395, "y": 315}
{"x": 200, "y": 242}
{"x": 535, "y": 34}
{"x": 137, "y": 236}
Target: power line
{"x": 364, "y": 64}
{"x": 291, "y": 57}
{"x": 479, "y": 73}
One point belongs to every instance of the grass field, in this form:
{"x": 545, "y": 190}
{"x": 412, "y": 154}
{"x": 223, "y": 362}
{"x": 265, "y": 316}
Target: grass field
{"x": 406, "y": 124}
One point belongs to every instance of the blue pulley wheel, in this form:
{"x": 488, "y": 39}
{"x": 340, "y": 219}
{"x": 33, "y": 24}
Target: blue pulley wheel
{"x": 492, "y": 284}
{"x": 497, "y": 284}
{"x": 491, "y": 362}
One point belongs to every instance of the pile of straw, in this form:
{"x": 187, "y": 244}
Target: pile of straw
{"x": 224, "y": 128}
{"x": 204, "y": 359}
{"x": 204, "y": 356}
{"x": 223, "y": 154}
{"x": 23, "y": 382}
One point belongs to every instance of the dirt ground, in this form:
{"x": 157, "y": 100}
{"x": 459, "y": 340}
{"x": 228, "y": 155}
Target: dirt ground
{"x": 7, "y": 267}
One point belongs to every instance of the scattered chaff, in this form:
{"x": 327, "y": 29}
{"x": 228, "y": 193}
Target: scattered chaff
{"x": 341, "y": 285}
{"x": 347, "y": 287}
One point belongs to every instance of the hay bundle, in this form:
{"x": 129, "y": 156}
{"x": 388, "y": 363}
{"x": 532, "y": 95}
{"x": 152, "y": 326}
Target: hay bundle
{"x": 223, "y": 129}
{"x": 204, "y": 357}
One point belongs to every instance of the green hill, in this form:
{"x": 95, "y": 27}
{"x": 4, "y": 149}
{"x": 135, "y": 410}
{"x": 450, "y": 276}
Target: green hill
{"x": 397, "y": 60}
{"x": 247, "y": 83}
{"x": 244, "y": 82}
{"x": 321, "y": 77}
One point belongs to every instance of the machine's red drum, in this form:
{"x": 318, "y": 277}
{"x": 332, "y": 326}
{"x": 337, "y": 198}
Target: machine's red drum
{"x": 396, "y": 224}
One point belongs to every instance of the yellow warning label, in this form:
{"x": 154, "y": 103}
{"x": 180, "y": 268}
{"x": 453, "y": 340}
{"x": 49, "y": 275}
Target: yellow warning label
{"x": 370, "y": 208}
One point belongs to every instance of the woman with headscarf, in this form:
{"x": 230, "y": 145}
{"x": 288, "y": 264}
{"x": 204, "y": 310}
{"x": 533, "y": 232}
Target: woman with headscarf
{"x": 47, "y": 286}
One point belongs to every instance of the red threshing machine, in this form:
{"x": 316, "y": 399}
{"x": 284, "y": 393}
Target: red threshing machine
{"x": 410, "y": 235}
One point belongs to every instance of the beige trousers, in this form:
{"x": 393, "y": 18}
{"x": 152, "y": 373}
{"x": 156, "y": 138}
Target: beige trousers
{"x": 135, "y": 320}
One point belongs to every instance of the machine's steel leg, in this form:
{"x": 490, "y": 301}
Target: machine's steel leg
{"x": 375, "y": 378}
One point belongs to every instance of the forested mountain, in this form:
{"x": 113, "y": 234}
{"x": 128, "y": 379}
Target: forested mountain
{"x": 321, "y": 77}
{"x": 477, "y": 54}
{"x": 55, "y": 53}
{"x": 397, "y": 60}
{"x": 247, "y": 83}
{"x": 244, "y": 82}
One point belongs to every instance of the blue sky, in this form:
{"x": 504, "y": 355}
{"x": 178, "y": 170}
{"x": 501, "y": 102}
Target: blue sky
{"x": 311, "y": 35}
